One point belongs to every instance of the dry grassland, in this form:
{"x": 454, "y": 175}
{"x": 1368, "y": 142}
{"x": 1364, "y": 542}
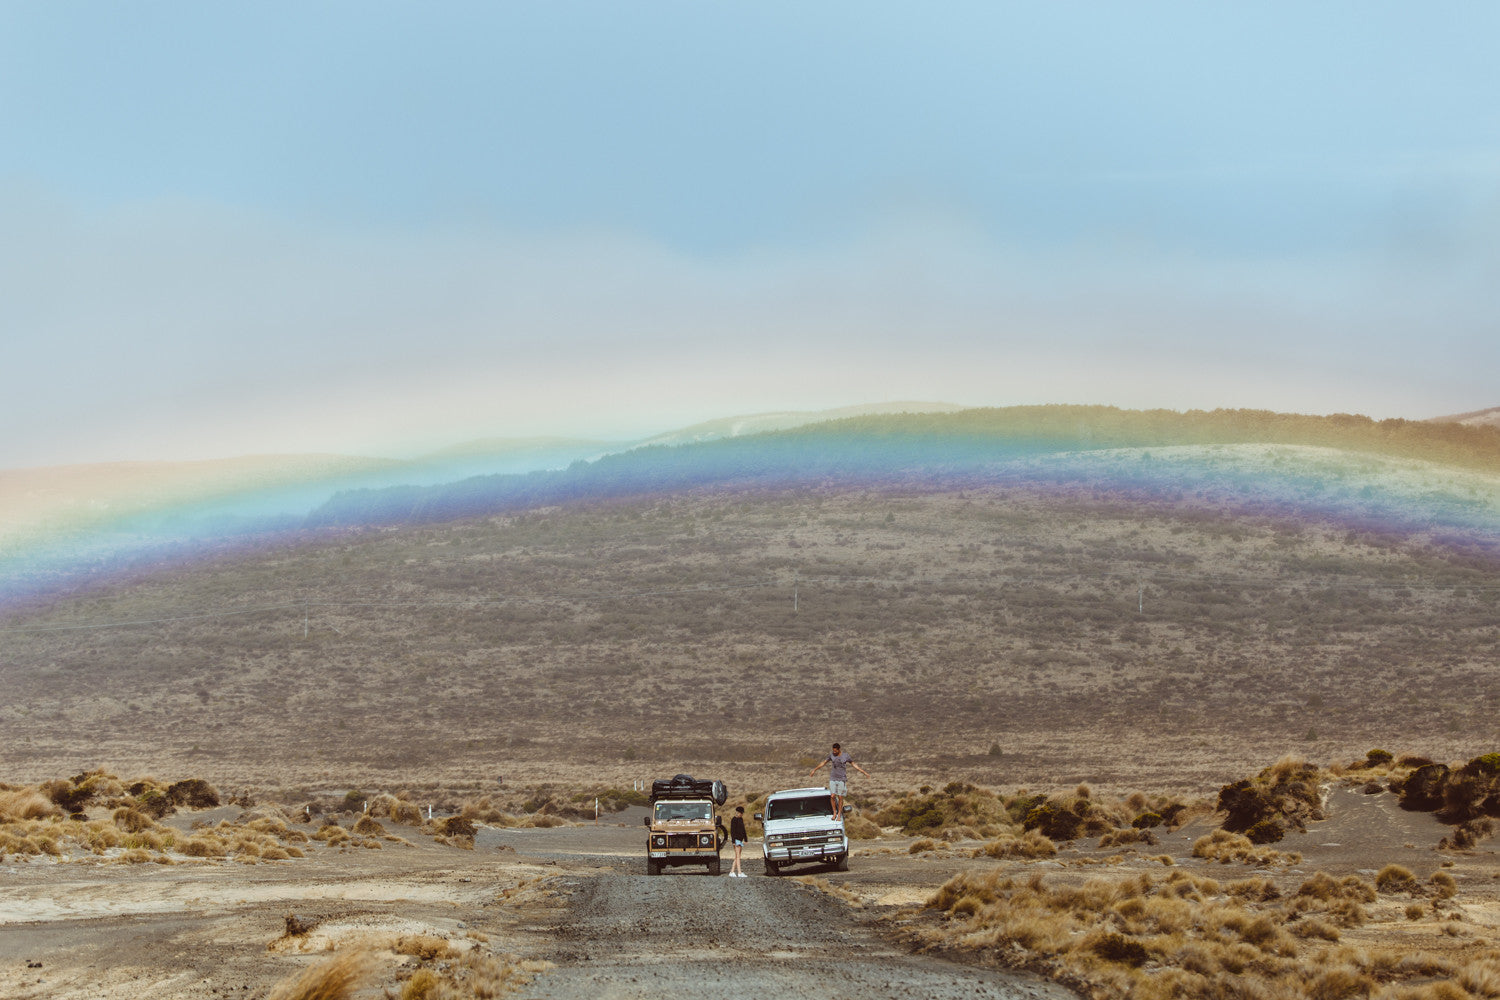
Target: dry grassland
{"x": 993, "y": 634}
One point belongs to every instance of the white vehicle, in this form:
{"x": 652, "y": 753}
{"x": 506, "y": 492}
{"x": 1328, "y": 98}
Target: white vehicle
{"x": 799, "y": 827}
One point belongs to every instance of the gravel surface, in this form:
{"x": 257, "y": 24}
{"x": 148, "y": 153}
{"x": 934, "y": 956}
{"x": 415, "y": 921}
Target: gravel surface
{"x": 692, "y": 935}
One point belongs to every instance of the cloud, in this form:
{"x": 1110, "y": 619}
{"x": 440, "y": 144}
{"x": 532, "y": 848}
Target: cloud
{"x": 178, "y": 329}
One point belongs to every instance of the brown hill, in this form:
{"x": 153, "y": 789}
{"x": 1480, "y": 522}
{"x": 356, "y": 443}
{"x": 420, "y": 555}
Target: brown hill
{"x": 1474, "y": 418}
{"x": 1080, "y": 635}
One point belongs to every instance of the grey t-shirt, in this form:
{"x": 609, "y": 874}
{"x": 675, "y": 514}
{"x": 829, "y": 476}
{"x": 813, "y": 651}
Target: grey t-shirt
{"x": 839, "y": 771}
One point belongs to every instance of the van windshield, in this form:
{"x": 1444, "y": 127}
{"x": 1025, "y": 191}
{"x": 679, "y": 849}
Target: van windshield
{"x": 807, "y": 805}
{"x": 682, "y": 810}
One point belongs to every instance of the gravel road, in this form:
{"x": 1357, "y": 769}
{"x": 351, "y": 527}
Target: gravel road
{"x": 691, "y": 935}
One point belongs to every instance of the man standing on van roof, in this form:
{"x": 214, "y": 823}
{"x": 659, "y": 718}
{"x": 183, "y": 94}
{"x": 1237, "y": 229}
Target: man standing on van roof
{"x": 838, "y": 778}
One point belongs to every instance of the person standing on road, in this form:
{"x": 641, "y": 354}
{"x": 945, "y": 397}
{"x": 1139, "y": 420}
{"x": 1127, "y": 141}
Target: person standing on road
{"x": 739, "y": 838}
{"x": 838, "y": 778}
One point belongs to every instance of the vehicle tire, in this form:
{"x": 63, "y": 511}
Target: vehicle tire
{"x": 772, "y": 868}
{"x": 715, "y": 867}
{"x": 653, "y": 867}
{"x": 842, "y": 864}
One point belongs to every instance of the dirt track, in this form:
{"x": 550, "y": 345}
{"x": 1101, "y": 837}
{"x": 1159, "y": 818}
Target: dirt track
{"x": 575, "y": 896}
{"x": 691, "y": 935}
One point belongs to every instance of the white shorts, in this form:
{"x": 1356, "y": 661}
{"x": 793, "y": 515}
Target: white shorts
{"x": 840, "y": 788}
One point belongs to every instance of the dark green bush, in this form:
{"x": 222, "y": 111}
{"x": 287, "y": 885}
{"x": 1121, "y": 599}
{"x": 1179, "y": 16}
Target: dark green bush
{"x": 1267, "y": 831}
{"x": 1119, "y": 948}
{"x": 1423, "y": 789}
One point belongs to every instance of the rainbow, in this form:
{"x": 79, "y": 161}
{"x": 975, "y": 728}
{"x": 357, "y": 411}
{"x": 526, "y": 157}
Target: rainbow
{"x": 62, "y": 530}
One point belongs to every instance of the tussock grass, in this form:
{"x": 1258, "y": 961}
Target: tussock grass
{"x": 25, "y": 803}
{"x": 1226, "y": 847}
{"x": 334, "y": 979}
{"x": 1184, "y": 935}
{"x": 1028, "y": 844}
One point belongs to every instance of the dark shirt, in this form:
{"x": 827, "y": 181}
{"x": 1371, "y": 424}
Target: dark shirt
{"x": 737, "y": 829}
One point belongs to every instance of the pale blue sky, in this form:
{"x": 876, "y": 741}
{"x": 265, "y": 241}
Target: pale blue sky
{"x": 380, "y": 227}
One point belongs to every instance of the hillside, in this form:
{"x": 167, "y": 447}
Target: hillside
{"x": 1475, "y": 418}
{"x": 1087, "y": 627}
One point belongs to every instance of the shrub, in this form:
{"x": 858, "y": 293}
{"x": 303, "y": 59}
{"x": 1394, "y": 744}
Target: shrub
{"x": 424, "y": 984}
{"x": 1120, "y": 838}
{"x": 457, "y": 826}
{"x": 1030, "y": 844}
{"x": 193, "y": 793}
{"x": 1422, "y": 791}
{"x": 1378, "y": 757}
{"x": 406, "y": 812}
{"x": 335, "y": 979}
{"x": 1118, "y": 948}
{"x": 25, "y": 803}
{"x": 1267, "y": 831}
{"x": 1146, "y": 820}
{"x": 957, "y": 804}
{"x": 131, "y": 820}
{"x": 919, "y": 846}
{"x": 1286, "y": 792}
{"x": 1395, "y": 878}
{"x": 370, "y": 827}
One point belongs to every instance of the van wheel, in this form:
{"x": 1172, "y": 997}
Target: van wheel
{"x": 715, "y": 866}
{"x": 772, "y": 868}
{"x": 653, "y": 867}
{"x": 842, "y": 864}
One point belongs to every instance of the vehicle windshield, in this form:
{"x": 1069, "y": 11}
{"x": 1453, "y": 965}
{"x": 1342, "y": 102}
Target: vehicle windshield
{"x": 683, "y": 810}
{"x": 807, "y": 805}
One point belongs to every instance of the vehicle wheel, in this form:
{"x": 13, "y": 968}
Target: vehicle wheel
{"x": 772, "y": 868}
{"x": 653, "y": 867}
{"x": 842, "y": 864}
{"x": 715, "y": 866}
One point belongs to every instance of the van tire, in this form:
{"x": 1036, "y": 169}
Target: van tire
{"x": 653, "y": 867}
{"x": 772, "y": 868}
{"x": 716, "y": 866}
{"x": 842, "y": 864}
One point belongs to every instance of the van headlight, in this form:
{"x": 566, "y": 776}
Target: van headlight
{"x": 705, "y": 840}
{"x": 658, "y": 841}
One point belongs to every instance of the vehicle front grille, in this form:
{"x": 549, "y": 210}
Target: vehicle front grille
{"x": 818, "y": 839}
{"x": 682, "y": 841}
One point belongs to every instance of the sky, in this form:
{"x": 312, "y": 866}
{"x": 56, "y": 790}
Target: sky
{"x": 384, "y": 228}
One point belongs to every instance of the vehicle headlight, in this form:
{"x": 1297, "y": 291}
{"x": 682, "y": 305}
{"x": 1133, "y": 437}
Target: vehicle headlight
{"x": 705, "y": 840}
{"x": 658, "y": 841}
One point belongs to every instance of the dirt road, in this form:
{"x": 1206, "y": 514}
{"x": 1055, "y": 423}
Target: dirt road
{"x": 691, "y": 935}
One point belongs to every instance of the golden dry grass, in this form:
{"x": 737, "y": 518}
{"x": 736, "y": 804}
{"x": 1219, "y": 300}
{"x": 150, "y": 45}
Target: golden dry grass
{"x": 334, "y": 979}
{"x": 1145, "y": 938}
{"x": 25, "y": 803}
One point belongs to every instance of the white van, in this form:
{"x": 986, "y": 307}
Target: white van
{"x": 799, "y": 827}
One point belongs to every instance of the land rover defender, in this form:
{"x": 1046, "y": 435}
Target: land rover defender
{"x": 799, "y": 827}
{"x": 684, "y": 827}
